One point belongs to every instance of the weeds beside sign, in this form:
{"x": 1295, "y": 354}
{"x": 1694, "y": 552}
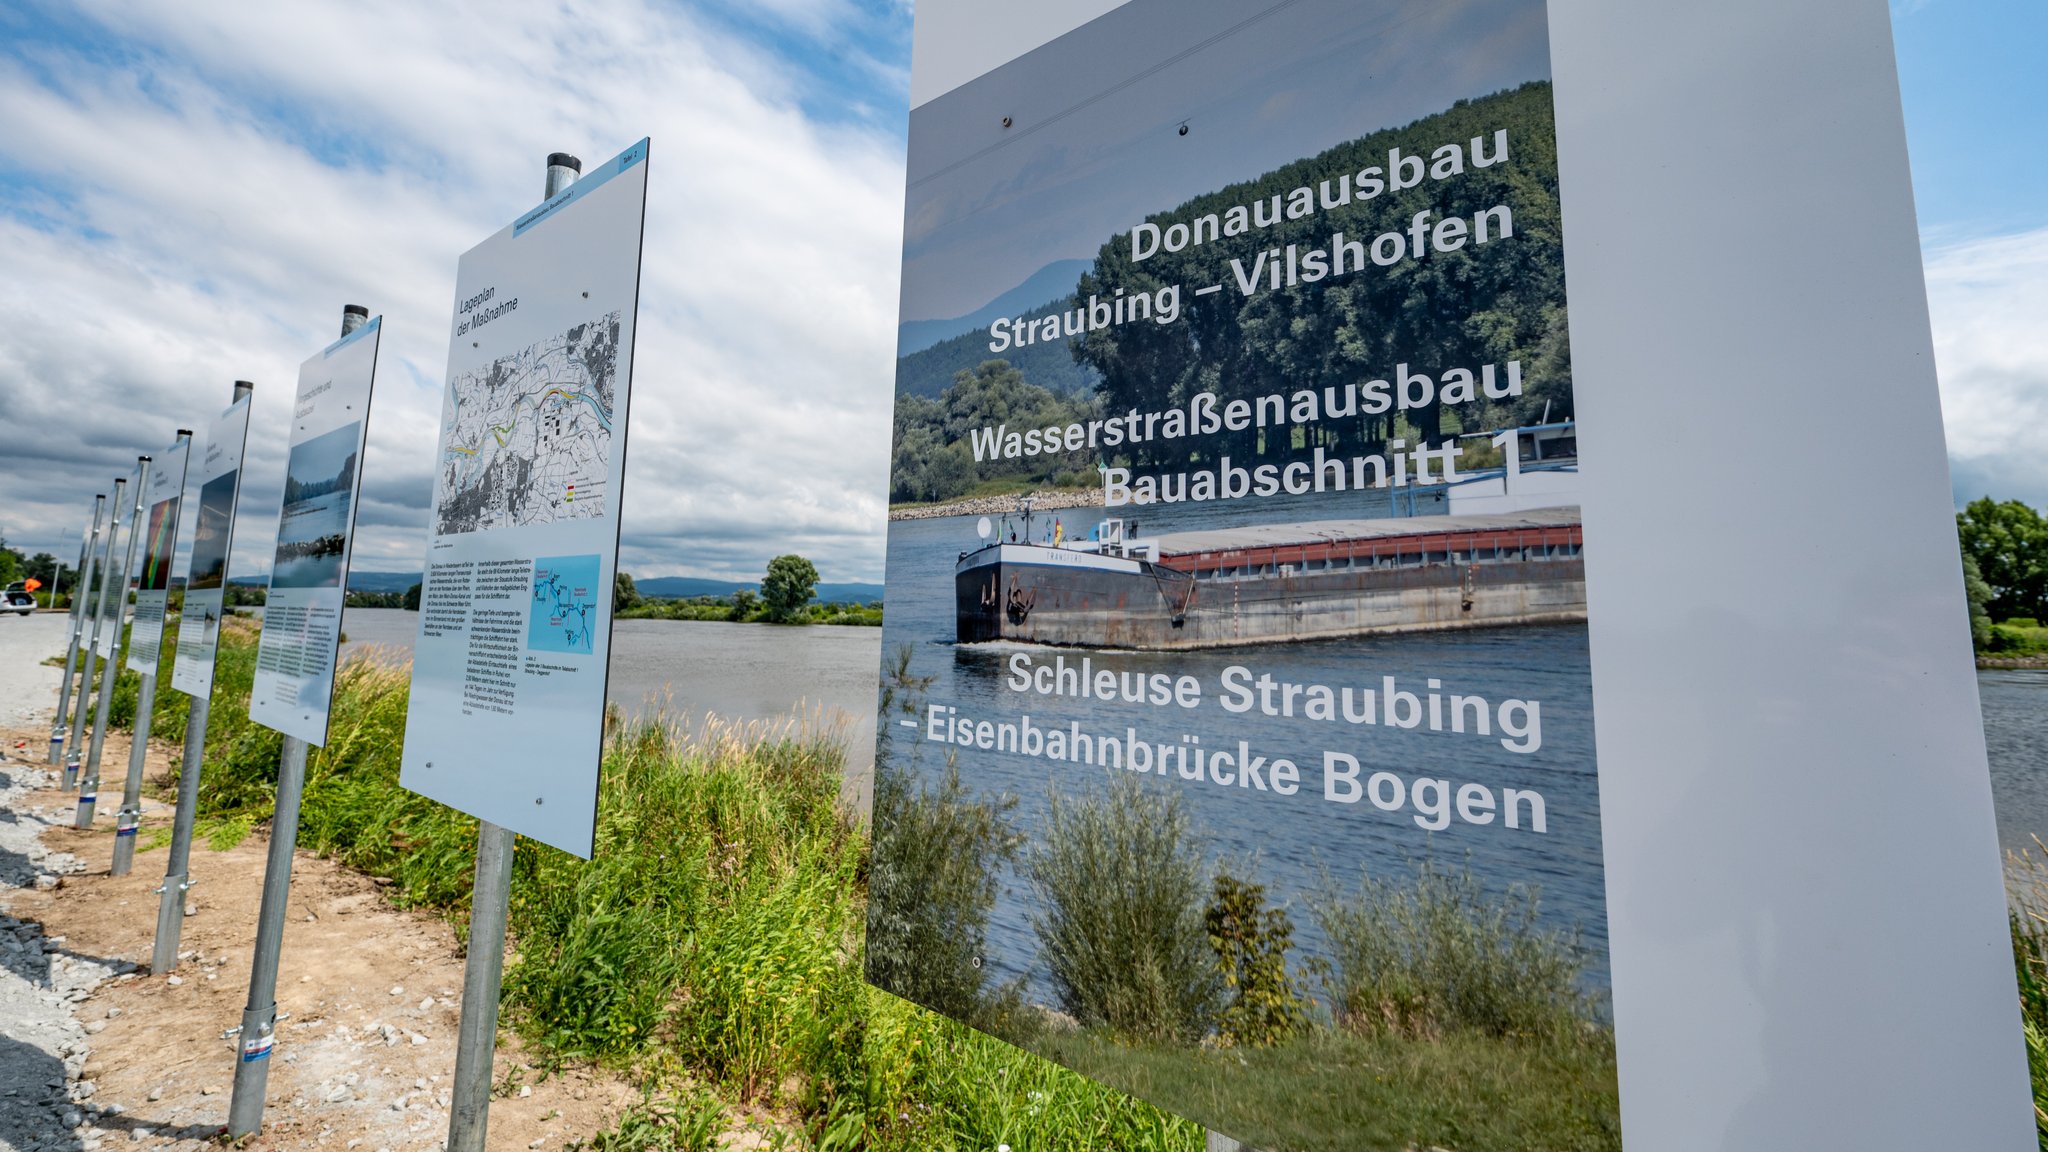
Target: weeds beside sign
{"x": 316, "y": 525}
{"x": 507, "y": 714}
{"x": 1250, "y": 767}
{"x": 220, "y": 482}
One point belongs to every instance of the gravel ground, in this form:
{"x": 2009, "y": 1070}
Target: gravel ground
{"x": 44, "y": 1105}
{"x": 28, "y": 687}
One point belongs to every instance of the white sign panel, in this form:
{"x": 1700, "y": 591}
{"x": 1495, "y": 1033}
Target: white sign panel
{"x": 507, "y": 713}
{"x": 1796, "y": 821}
{"x": 161, "y": 500}
{"x": 220, "y": 481}
{"x": 308, "y": 575}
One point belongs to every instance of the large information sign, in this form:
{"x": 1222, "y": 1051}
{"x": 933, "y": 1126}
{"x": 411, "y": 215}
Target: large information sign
{"x": 507, "y": 714}
{"x": 1276, "y": 701}
{"x": 162, "y": 496}
{"x": 309, "y": 573}
{"x": 220, "y": 483}
{"x": 1268, "y": 733}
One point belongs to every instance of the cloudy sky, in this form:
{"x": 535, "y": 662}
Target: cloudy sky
{"x": 190, "y": 192}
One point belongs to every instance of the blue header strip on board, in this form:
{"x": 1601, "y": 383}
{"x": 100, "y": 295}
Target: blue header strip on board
{"x": 359, "y": 333}
{"x": 590, "y": 183}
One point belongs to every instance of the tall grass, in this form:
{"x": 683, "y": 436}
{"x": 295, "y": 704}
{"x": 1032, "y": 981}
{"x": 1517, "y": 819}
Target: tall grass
{"x": 1121, "y": 880}
{"x": 2026, "y": 876}
{"x": 1436, "y": 954}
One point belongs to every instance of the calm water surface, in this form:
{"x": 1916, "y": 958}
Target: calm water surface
{"x": 695, "y": 667}
{"x": 756, "y": 672}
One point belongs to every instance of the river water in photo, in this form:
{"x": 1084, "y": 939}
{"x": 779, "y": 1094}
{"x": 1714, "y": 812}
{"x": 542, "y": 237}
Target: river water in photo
{"x": 692, "y": 667}
{"x": 758, "y": 672}
{"x": 1288, "y": 842}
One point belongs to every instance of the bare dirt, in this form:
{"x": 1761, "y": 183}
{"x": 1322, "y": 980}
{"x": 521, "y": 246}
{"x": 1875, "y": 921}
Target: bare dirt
{"x": 368, "y": 996}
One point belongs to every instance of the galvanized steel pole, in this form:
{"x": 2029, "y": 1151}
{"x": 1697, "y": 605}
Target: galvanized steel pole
{"x": 89, "y": 784}
{"x": 78, "y": 584}
{"x": 74, "y": 763}
{"x": 258, "y": 1031}
{"x": 170, "y": 911}
{"x": 129, "y": 818}
{"x": 483, "y": 971}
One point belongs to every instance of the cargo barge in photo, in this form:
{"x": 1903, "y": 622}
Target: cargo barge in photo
{"x": 1273, "y": 582}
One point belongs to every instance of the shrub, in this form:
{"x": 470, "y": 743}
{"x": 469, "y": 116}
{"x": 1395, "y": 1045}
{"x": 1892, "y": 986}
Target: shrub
{"x": 930, "y": 894}
{"x": 1120, "y": 879}
{"x": 1251, "y": 942}
{"x": 1437, "y": 954}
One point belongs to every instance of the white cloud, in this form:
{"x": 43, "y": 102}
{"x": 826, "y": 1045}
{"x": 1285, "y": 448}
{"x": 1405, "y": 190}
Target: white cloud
{"x": 203, "y": 186}
{"x": 1989, "y": 301}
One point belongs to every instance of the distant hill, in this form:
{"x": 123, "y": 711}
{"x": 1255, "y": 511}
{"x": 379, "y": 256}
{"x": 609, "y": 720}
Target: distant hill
{"x": 1054, "y": 281}
{"x": 382, "y": 581}
{"x": 685, "y": 587}
{"x": 1050, "y": 366}
{"x": 662, "y": 587}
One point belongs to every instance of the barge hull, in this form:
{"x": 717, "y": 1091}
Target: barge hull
{"x": 1056, "y": 606}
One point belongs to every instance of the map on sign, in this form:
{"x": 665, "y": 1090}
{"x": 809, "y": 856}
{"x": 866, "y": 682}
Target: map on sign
{"x": 565, "y": 590}
{"x": 530, "y": 438}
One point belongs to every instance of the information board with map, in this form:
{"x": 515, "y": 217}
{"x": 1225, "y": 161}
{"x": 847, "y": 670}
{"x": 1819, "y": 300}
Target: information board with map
{"x": 507, "y": 715}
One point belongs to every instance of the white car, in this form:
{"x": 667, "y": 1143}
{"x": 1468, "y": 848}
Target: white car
{"x": 17, "y": 599}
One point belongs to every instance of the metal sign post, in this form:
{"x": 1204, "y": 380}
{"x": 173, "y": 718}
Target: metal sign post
{"x": 165, "y": 492}
{"x": 257, "y": 1032}
{"x": 170, "y": 912}
{"x": 490, "y": 902}
{"x": 102, "y": 567}
{"x": 79, "y": 582}
{"x": 113, "y": 606}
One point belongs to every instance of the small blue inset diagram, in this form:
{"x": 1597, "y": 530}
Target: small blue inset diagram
{"x": 565, "y": 591}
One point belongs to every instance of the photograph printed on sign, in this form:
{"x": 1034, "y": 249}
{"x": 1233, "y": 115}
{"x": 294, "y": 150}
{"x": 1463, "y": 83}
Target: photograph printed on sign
{"x": 1237, "y": 738}
{"x": 220, "y": 474}
{"x": 164, "y": 497}
{"x": 301, "y": 636}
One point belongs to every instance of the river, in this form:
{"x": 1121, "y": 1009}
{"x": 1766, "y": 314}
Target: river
{"x": 760, "y": 672}
{"x": 750, "y": 672}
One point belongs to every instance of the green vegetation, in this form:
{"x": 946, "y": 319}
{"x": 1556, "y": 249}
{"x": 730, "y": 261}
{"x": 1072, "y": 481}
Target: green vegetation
{"x": 787, "y": 587}
{"x": 1251, "y": 942}
{"x": 2005, "y": 573}
{"x": 2027, "y": 914}
{"x": 785, "y": 598}
{"x": 743, "y": 606}
{"x": 712, "y": 950}
{"x": 1436, "y": 955}
{"x": 355, "y": 599}
{"x": 1473, "y": 306}
{"x": 1049, "y": 364}
{"x": 932, "y": 460}
{"x": 1121, "y": 879}
{"x": 1460, "y": 308}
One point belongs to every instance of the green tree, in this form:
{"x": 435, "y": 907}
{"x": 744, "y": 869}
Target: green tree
{"x": 1979, "y": 594}
{"x": 624, "y": 594}
{"x": 412, "y": 598}
{"x": 2009, "y": 543}
{"x": 11, "y": 563}
{"x": 1251, "y": 941}
{"x": 787, "y": 587}
{"x": 742, "y": 604}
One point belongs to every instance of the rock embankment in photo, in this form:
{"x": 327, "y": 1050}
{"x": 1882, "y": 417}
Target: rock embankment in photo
{"x": 1047, "y": 501}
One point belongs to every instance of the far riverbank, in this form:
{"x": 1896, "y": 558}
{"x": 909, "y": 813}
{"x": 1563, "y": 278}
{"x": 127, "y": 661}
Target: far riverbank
{"x": 1050, "y": 499}
{"x": 694, "y": 668}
